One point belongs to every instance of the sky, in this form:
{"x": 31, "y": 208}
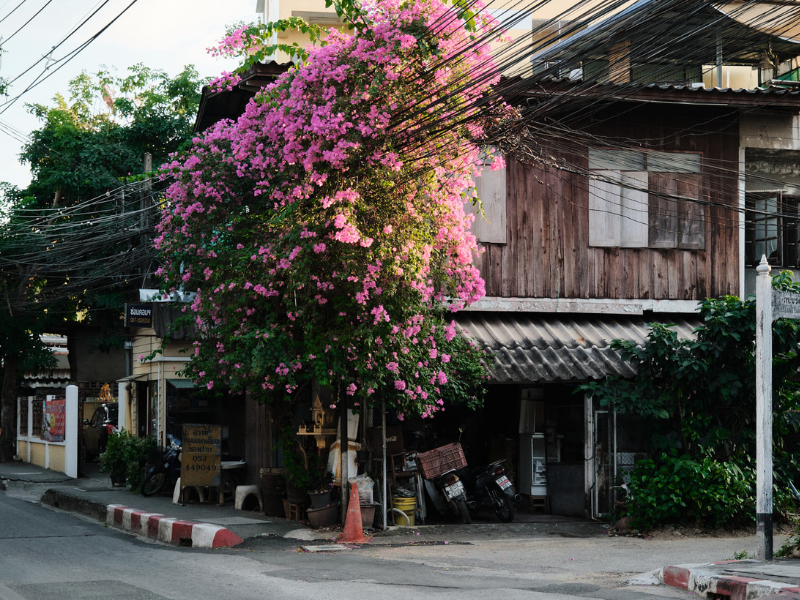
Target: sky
{"x": 162, "y": 34}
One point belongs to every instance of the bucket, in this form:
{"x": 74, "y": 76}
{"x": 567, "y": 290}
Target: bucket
{"x": 408, "y": 506}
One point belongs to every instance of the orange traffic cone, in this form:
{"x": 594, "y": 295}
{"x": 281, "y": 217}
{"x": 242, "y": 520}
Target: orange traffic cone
{"x": 353, "y": 532}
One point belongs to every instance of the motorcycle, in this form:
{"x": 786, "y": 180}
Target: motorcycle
{"x": 493, "y": 490}
{"x": 449, "y": 492}
{"x": 168, "y": 468}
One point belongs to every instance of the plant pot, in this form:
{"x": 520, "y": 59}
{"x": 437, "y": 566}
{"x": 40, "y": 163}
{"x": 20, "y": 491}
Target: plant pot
{"x": 118, "y": 480}
{"x": 367, "y": 515}
{"x": 272, "y": 487}
{"x": 320, "y": 499}
{"x": 323, "y": 517}
{"x": 295, "y": 494}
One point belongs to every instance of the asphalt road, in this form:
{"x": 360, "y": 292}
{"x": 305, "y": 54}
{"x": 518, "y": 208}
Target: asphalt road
{"x": 47, "y": 554}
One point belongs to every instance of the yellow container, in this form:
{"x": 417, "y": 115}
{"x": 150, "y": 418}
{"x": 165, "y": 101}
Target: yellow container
{"x": 409, "y": 507}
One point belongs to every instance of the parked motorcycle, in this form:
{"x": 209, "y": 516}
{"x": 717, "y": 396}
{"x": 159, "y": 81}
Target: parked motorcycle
{"x": 444, "y": 486}
{"x": 166, "y": 469}
{"x": 493, "y": 490}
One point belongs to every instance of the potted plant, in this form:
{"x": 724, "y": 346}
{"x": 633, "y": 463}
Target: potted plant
{"x": 296, "y": 464}
{"x": 321, "y": 483}
{"x": 113, "y": 461}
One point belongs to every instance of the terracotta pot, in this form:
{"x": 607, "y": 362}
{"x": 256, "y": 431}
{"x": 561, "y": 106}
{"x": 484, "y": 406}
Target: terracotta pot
{"x": 367, "y": 515}
{"x": 320, "y": 500}
{"x": 323, "y": 517}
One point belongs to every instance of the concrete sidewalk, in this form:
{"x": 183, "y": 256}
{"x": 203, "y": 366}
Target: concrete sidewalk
{"x": 206, "y": 525}
{"x": 737, "y": 579}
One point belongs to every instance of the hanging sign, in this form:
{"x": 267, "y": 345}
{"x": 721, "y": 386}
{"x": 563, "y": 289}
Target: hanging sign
{"x": 138, "y": 315}
{"x": 201, "y": 457}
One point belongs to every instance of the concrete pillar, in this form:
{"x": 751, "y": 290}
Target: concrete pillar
{"x": 124, "y": 402}
{"x": 71, "y": 432}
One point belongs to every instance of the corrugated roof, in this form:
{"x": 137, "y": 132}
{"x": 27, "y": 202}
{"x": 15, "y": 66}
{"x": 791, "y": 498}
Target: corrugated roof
{"x": 541, "y": 347}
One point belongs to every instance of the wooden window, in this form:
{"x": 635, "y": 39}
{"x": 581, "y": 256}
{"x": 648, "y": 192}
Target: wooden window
{"x": 771, "y": 229}
{"x": 491, "y": 188}
{"x": 648, "y": 200}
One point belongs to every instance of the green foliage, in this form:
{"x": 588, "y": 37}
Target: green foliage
{"x": 696, "y": 398}
{"x": 100, "y": 130}
{"x": 113, "y": 460}
{"x": 294, "y": 460}
{"x": 685, "y": 491}
{"x": 126, "y": 455}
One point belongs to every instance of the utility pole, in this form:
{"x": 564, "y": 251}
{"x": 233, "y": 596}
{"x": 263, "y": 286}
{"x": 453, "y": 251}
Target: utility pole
{"x": 764, "y": 319}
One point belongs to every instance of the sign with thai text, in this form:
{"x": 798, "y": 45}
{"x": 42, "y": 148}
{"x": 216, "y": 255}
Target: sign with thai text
{"x": 54, "y": 420}
{"x": 785, "y": 305}
{"x": 138, "y": 315}
{"x": 201, "y": 458}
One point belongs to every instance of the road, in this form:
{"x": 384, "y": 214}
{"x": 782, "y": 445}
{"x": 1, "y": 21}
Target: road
{"x": 46, "y": 554}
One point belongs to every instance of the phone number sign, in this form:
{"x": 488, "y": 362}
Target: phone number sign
{"x": 201, "y": 457}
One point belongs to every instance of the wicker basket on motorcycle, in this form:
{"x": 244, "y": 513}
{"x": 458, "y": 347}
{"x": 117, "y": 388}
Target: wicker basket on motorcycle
{"x": 440, "y": 460}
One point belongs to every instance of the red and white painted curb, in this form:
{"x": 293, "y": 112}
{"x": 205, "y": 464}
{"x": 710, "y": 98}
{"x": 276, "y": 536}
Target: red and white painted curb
{"x": 168, "y": 530}
{"x": 703, "y": 580}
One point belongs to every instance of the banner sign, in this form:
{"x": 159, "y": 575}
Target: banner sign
{"x": 54, "y": 420}
{"x": 138, "y": 315}
{"x": 201, "y": 458}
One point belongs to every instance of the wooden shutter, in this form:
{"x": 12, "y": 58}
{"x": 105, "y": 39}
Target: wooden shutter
{"x": 663, "y": 210}
{"x": 634, "y": 222}
{"x": 491, "y": 187}
{"x": 604, "y": 210}
{"x": 691, "y": 216}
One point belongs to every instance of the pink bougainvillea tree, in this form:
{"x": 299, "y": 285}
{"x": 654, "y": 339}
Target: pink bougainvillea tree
{"x": 324, "y": 232}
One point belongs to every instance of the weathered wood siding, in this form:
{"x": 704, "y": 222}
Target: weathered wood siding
{"x": 547, "y": 252}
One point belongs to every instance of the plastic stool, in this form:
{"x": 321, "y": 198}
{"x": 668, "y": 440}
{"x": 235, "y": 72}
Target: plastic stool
{"x": 243, "y": 491}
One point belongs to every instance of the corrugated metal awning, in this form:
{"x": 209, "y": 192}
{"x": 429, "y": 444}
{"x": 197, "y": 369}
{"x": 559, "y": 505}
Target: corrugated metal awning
{"x": 546, "y": 347}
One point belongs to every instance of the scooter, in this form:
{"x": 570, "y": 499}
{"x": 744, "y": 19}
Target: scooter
{"x": 168, "y": 468}
{"x": 449, "y": 492}
{"x": 493, "y": 490}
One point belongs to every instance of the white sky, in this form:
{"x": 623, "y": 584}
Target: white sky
{"x": 162, "y": 34}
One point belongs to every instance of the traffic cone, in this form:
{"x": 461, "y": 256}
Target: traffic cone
{"x": 353, "y": 532}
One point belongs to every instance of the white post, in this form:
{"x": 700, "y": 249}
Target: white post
{"x": 19, "y": 421}
{"x": 123, "y": 401}
{"x": 71, "y": 432}
{"x": 30, "y": 425}
{"x": 764, "y": 411}
{"x": 588, "y": 451}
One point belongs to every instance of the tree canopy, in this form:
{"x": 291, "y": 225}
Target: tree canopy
{"x": 324, "y": 231}
{"x": 73, "y": 243}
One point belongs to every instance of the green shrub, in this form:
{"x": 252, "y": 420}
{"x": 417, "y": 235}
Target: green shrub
{"x": 678, "y": 490}
{"x": 126, "y": 456}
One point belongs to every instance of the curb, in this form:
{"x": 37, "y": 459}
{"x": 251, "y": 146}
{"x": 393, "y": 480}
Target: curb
{"x": 704, "y": 580}
{"x": 169, "y": 530}
{"x": 152, "y": 525}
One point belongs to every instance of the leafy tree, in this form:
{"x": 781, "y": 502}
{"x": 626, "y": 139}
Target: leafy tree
{"x": 98, "y": 133}
{"x": 68, "y": 251}
{"x": 324, "y": 231}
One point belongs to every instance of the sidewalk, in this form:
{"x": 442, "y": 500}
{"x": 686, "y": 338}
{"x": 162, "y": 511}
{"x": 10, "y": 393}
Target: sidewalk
{"x": 197, "y": 525}
{"x": 738, "y": 579}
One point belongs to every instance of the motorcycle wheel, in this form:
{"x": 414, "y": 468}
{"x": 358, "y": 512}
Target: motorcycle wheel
{"x": 153, "y": 483}
{"x": 506, "y": 513}
{"x": 463, "y": 512}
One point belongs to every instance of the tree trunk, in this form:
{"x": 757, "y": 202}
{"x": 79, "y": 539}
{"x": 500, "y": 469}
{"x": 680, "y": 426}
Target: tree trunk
{"x": 8, "y": 400}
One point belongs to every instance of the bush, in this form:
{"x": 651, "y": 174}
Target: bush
{"x": 126, "y": 456}
{"x": 679, "y": 490}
